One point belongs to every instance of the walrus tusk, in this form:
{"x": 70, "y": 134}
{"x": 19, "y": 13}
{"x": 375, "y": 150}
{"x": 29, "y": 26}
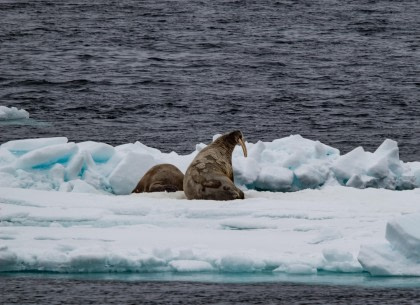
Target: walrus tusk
{"x": 243, "y": 147}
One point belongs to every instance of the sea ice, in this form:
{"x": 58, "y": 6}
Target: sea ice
{"x": 381, "y": 169}
{"x": 100, "y": 152}
{"x": 165, "y": 232}
{"x": 289, "y": 164}
{"x": 20, "y": 147}
{"x": 12, "y": 113}
{"x": 47, "y": 156}
{"x": 286, "y": 164}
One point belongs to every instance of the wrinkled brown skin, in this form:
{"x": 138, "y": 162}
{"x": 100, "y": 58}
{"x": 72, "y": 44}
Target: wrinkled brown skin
{"x": 161, "y": 178}
{"x": 210, "y": 175}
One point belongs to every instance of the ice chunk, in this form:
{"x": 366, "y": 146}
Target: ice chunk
{"x": 79, "y": 186}
{"x": 381, "y": 169}
{"x": 311, "y": 176}
{"x": 239, "y": 263}
{"x": 361, "y": 181}
{"x": 296, "y": 269}
{"x": 403, "y": 233}
{"x": 56, "y": 174}
{"x": 401, "y": 256}
{"x": 6, "y": 157}
{"x": 46, "y": 156}
{"x": 100, "y": 152}
{"x": 216, "y": 136}
{"x": 12, "y": 113}
{"x": 22, "y": 146}
{"x": 414, "y": 169}
{"x": 389, "y": 149}
{"x": 255, "y": 150}
{"x": 285, "y": 164}
{"x": 137, "y": 147}
{"x": 190, "y": 266}
{"x": 338, "y": 260}
{"x": 129, "y": 171}
{"x": 350, "y": 164}
{"x": 380, "y": 259}
{"x": 274, "y": 179}
{"x": 77, "y": 164}
{"x": 246, "y": 170}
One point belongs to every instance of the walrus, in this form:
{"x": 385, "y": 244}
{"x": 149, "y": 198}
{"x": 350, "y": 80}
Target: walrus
{"x": 160, "y": 178}
{"x": 210, "y": 174}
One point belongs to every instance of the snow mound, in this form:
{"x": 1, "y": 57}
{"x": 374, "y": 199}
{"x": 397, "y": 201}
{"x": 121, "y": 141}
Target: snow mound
{"x": 12, "y": 113}
{"x": 289, "y": 164}
{"x": 401, "y": 254}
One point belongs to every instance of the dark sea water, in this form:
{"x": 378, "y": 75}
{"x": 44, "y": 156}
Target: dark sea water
{"x": 31, "y": 290}
{"x": 173, "y": 73}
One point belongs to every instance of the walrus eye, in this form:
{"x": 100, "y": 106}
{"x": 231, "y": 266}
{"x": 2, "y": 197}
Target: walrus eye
{"x": 243, "y": 146}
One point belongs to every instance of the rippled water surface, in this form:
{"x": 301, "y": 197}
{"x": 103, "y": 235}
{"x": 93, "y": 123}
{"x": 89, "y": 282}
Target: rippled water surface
{"x": 173, "y": 73}
{"x": 33, "y": 290}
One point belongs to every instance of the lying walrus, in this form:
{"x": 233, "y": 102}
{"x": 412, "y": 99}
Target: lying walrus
{"x": 210, "y": 175}
{"x": 160, "y": 178}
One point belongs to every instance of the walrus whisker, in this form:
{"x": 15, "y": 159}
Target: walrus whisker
{"x": 243, "y": 147}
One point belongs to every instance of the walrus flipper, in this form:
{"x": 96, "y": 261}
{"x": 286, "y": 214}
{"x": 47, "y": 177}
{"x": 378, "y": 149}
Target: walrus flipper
{"x": 163, "y": 188}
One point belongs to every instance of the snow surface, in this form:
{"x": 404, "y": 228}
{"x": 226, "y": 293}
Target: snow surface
{"x": 288, "y": 164}
{"x": 336, "y": 229}
{"x": 12, "y": 113}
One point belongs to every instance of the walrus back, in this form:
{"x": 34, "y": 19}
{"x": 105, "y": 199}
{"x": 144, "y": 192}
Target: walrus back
{"x": 160, "y": 178}
{"x": 210, "y": 174}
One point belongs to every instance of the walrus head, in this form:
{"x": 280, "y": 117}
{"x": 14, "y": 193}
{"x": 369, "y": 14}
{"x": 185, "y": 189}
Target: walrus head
{"x": 235, "y": 138}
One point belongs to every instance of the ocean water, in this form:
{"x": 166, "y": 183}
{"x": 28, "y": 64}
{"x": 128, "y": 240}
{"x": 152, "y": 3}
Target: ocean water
{"x": 55, "y": 290}
{"x": 173, "y": 73}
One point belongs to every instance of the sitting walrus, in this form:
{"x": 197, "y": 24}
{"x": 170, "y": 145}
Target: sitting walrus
{"x": 210, "y": 175}
{"x": 160, "y": 178}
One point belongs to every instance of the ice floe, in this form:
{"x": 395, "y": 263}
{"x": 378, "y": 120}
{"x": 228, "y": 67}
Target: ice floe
{"x": 335, "y": 229}
{"x": 12, "y": 113}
